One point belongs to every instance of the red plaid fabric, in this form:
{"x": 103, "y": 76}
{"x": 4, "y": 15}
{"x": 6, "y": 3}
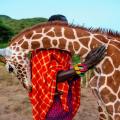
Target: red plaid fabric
{"x": 45, "y": 66}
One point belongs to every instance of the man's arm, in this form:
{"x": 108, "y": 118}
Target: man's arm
{"x": 64, "y": 75}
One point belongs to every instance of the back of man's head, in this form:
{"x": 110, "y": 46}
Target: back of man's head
{"x": 58, "y": 17}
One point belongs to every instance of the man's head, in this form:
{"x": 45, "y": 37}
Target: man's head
{"x": 58, "y": 17}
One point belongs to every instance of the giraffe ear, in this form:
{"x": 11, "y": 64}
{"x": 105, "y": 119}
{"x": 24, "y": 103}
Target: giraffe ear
{"x": 2, "y": 51}
{"x": 5, "y": 52}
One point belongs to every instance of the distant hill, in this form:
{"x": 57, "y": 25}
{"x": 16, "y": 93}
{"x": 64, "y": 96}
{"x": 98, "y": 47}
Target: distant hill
{"x": 14, "y": 26}
{"x": 18, "y": 25}
{"x": 5, "y": 17}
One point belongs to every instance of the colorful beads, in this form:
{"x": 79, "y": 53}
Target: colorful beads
{"x": 80, "y": 69}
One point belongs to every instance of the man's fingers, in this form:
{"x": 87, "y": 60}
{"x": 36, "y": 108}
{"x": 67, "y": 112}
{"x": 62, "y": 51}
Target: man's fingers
{"x": 96, "y": 51}
{"x": 101, "y": 52}
{"x": 102, "y": 49}
{"x": 97, "y": 61}
{"x": 102, "y": 57}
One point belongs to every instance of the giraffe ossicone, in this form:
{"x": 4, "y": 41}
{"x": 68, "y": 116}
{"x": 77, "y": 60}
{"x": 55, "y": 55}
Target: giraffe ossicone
{"x": 76, "y": 40}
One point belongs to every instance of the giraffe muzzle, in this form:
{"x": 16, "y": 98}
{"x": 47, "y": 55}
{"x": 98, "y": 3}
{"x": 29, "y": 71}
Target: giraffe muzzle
{"x": 5, "y": 52}
{"x": 28, "y": 87}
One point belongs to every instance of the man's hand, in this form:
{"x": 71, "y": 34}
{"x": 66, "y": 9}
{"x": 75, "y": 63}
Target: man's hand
{"x": 95, "y": 56}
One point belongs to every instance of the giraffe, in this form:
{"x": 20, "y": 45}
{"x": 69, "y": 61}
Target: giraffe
{"x": 105, "y": 84}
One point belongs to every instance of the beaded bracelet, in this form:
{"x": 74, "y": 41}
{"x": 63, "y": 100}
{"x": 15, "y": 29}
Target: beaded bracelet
{"x": 80, "y": 69}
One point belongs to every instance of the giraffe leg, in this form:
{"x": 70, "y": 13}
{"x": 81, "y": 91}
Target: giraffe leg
{"x": 101, "y": 113}
{"x": 94, "y": 84}
{"x": 117, "y": 116}
{"x": 106, "y": 89}
{"x": 109, "y": 95}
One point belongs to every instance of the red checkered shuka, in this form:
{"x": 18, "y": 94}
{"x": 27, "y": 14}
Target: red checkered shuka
{"x": 45, "y": 66}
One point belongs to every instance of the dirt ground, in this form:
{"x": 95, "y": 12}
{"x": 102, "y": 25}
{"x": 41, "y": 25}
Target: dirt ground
{"x": 15, "y": 104}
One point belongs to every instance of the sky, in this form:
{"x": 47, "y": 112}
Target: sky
{"x": 90, "y": 13}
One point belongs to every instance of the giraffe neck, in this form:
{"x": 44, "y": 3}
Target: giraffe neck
{"x": 57, "y": 37}
{"x": 75, "y": 40}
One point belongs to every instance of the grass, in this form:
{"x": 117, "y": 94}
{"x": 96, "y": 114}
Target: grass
{"x": 3, "y": 45}
{"x": 2, "y": 64}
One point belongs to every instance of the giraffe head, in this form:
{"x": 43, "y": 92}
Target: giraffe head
{"x": 19, "y": 64}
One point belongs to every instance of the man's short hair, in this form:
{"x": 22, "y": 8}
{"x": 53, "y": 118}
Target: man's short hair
{"x": 58, "y": 17}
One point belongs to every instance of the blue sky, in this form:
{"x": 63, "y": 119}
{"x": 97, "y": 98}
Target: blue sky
{"x": 95, "y": 13}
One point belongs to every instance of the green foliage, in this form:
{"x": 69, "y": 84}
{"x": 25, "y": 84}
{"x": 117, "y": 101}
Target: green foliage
{"x": 5, "y": 33}
{"x": 3, "y": 45}
{"x": 75, "y": 59}
{"x": 9, "y": 27}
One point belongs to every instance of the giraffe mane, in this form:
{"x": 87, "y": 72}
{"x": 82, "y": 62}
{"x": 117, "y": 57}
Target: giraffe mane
{"x": 108, "y": 32}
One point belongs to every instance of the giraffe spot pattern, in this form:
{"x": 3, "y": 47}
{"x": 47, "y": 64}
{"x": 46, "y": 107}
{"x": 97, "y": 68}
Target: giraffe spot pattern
{"x": 14, "y": 44}
{"x": 21, "y": 62}
{"x": 76, "y": 45}
{"x": 62, "y": 43}
{"x": 117, "y": 117}
{"x": 93, "y": 83}
{"x": 57, "y": 31}
{"x": 38, "y": 30}
{"x": 101, "y": 38}
{"x": 107, "y": 96}
{"x": 19, "y": 57}
{"x": 20, "y": 41}
{"x": 29, "y": 34}
{"x": 69, "y": 33}
{"x": 85, "y": 41}
{"x": 81, "y": 33}
{"x": 36, "y": 36}
{"x": 25, "y": 45}
{"x": 119, "y": 95}
{"x": 115, "y": 55}
{"x": 100, "y": 109}
{"x": 113, "y": 83}
{"x": 98, "y": 70}
{"x": 70, "y": 47}
{"x": 14, "y": 48}
{"x": 116, "y": 77}
{"x": 35, "y": 45}
{"x": 47, "y": 29}
{"x": 17, "y": 49}
{"x": 46, "y": 42}
{"x": 107, "y": 66}
{"x": 117, "y": 106}
{"x": 110, "y": 118}
{"x": 102, "y": 115}
{"x": 54, "y": 42}
{"x": 19, "y": 71}
{"x": 110, "y": 109}
{"x": 94, "y": 43}
{"x": 23, "y": 69}
{"x": 83, "y": 51}
{"x": 101, "y": 81}
{"x": 51, "y": 34}
{"x": 115, "y": 43}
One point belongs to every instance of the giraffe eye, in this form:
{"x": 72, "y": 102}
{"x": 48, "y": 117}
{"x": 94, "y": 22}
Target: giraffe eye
{"x": 10, "y": 69}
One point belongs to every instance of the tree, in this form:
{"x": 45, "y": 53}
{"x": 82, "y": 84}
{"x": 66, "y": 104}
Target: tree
{"x": 5, "y": 33}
